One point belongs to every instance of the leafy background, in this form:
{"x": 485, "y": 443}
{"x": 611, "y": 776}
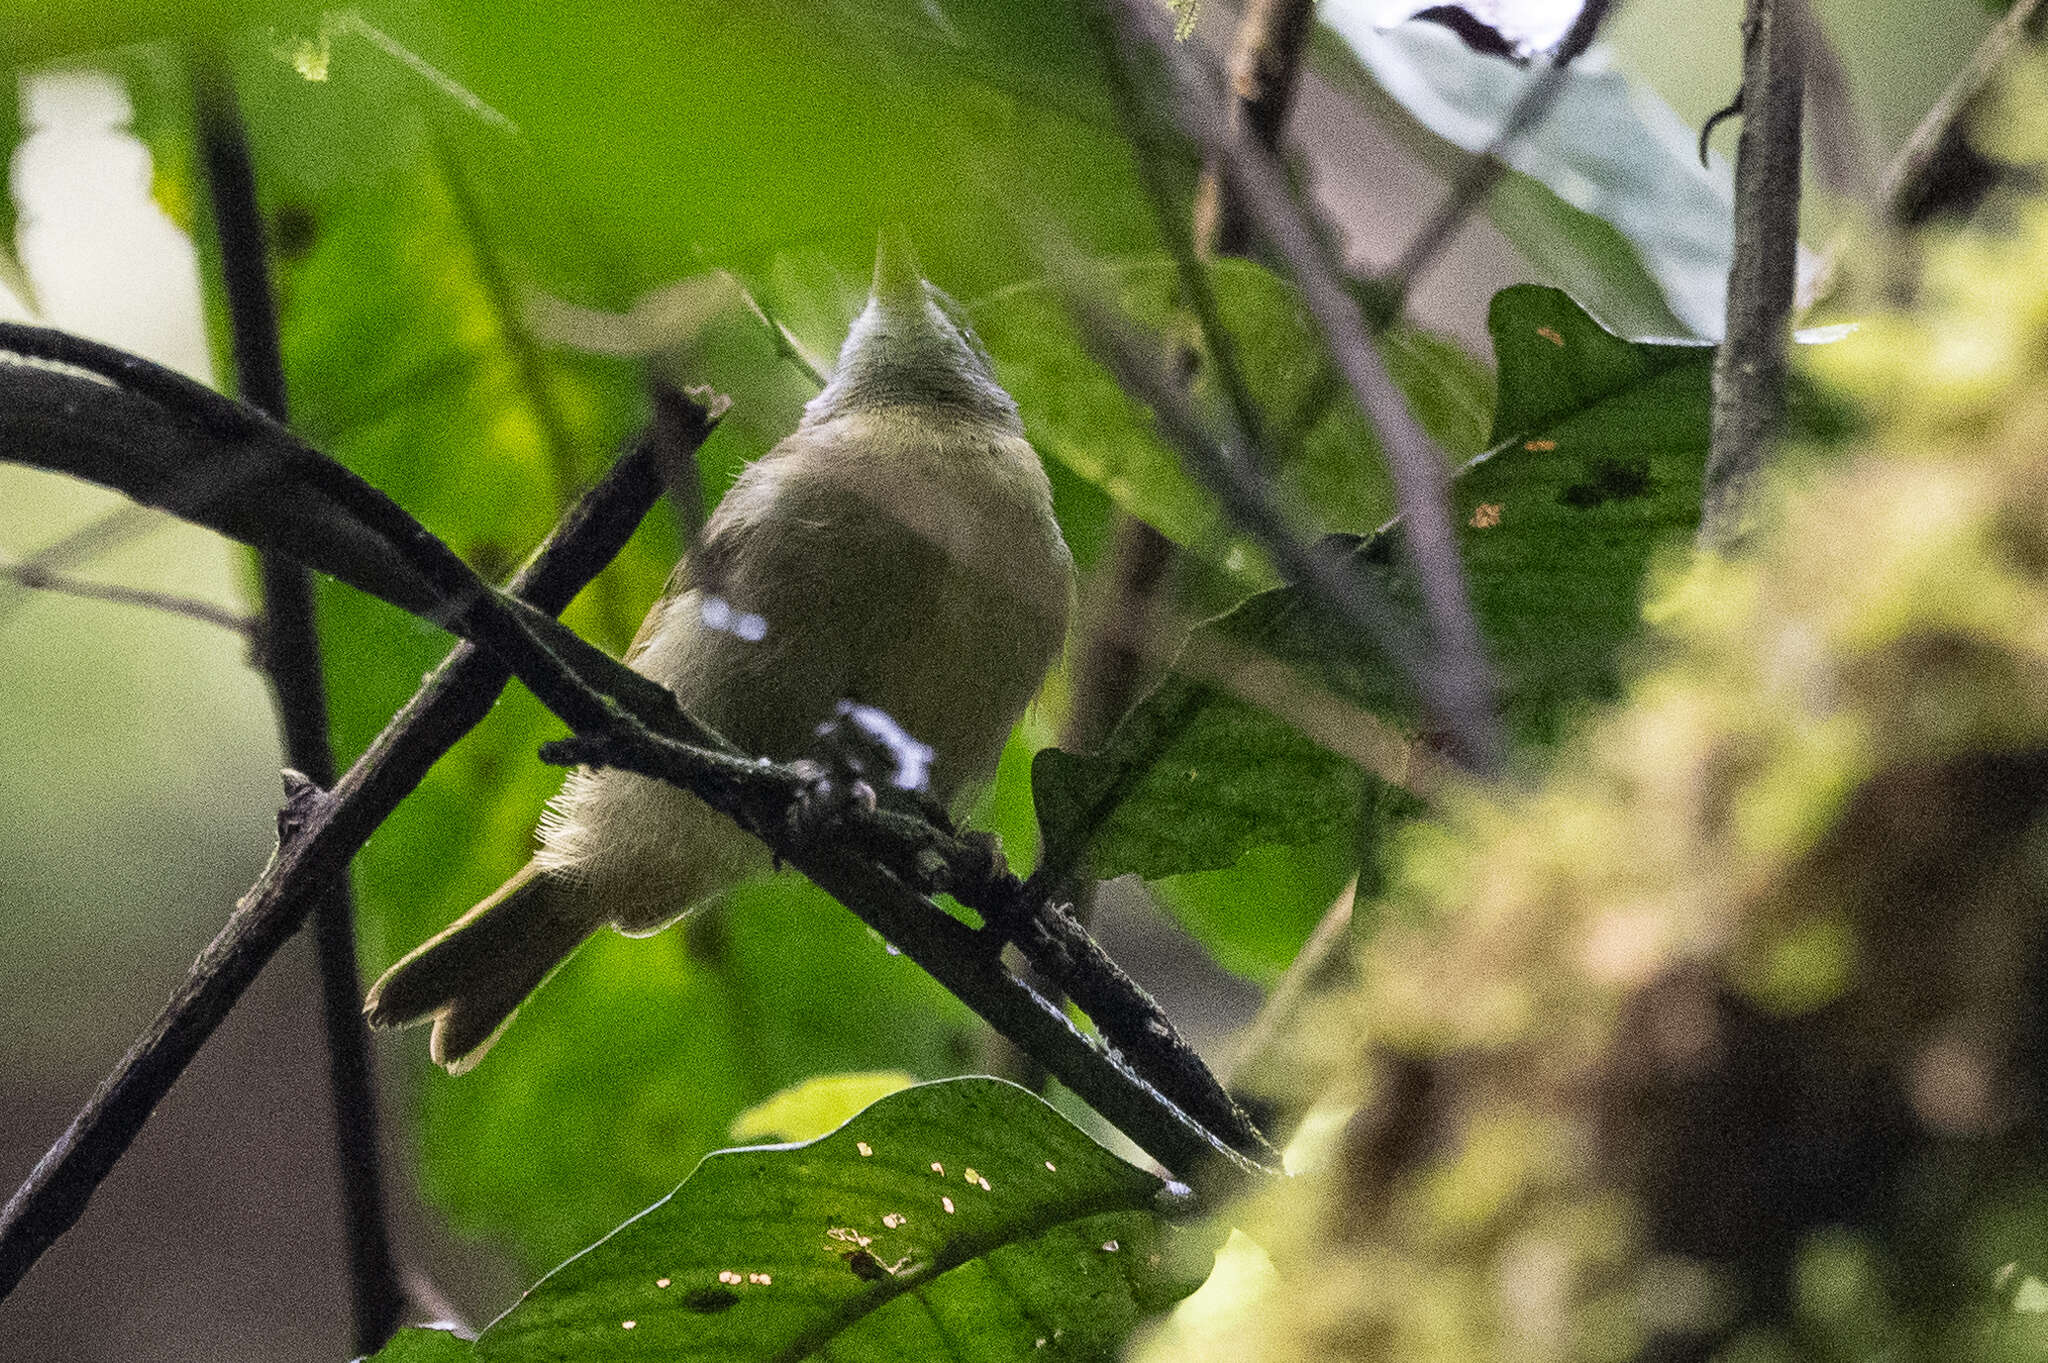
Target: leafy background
{"x": 592, "y": 154}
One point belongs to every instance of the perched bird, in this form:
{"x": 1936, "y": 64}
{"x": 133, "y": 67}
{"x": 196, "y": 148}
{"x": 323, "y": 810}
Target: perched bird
{"x": 898, "y": 551}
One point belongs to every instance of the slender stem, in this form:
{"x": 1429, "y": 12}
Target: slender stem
{"x": 1457, "y": 688}
{"x": 1476, "y": 182}
{"x": 1320, "y": 958}
{"x": 316, "y": 849}
{"x": 291, "y": 661}
{"x": 1749, "y": 369}
{"x": 27, "y": 574}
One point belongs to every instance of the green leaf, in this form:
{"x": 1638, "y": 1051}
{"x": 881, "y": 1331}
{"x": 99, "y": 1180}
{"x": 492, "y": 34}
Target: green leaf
{"x": 409, "y": 360}
{"x": 1609, "y": 199}
{"x": 1077, "y": 414}
{"x": 1599, "y": 444}
{"x": 808, "y": 1110}
{"x": 426, "y": 1346}
{"x": 964, "y": 1219}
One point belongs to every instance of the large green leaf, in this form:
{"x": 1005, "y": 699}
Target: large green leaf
{"x": 964, "y": 1219}
{"x": 1076, "y": 413}
{"x": 410, "y": 359}
{"x": 1609, "y": 199}
{"x": 1599, "y": 444}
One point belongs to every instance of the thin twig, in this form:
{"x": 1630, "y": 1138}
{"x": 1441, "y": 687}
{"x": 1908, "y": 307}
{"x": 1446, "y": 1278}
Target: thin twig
{"x": 1318, "y": 960}
{"x": 601, "y": 699}
{"x": 1749, "y": 369}
{"x": 328, "y": 831}
{"x": 1457, "y": 689}
{"x": 26, "y": 574}
{"x": 291, "y": 660}
{"x": 1921, "y": 179}
{"x": 1476, "y": 182}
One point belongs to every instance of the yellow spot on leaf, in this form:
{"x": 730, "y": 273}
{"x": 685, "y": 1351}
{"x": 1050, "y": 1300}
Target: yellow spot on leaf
{"x": 661, "y": 1282}
{"x": 1486, "y": 515}
{"x": 628, "y": 1324}
{"x": 947, "y": 1203}
{"x": 1539, "y": 446}
{"x": 864, "y": 1148}
{"x": 1551, "y": 335}
{"x": 759, "y": 1279}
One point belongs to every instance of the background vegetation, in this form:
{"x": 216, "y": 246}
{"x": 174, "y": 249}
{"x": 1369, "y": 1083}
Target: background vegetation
{"x": 485, "y": 228}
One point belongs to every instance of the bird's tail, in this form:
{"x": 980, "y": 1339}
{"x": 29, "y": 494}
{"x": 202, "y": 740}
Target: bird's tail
{"x": 472, "y": 976}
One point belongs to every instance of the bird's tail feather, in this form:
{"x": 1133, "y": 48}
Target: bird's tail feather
{"x": 472, "y": 976}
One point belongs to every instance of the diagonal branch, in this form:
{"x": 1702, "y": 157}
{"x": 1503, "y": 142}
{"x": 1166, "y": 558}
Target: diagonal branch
{"x": 602, "y": 699}
{"x": 1457, "y": 689}
{"x": 324, "y": 833}
{"x": 290, "y": 658}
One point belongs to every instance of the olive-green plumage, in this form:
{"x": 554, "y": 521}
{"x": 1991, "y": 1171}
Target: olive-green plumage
{"x": 899, "y": 549}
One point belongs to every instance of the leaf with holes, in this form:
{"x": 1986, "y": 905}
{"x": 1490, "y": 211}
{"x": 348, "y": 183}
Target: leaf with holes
{"x": 964, "y": 1219}
{"x": 1598, "y": 448}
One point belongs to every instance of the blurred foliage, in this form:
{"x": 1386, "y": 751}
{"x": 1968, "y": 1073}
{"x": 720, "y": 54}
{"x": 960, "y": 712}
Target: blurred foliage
{"x": 488, "y": 218}
{"x": 1721, "y": 1038}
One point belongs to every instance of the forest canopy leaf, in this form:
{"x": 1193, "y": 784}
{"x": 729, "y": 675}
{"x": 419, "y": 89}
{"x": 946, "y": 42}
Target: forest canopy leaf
{"x": 963, "y": 1219}
{"x": 1076, "y": 412}
{"x": 1598, "y": 448}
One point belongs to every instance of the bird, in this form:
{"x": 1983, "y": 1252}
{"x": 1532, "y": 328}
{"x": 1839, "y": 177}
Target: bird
{"x": 898, "y": 553}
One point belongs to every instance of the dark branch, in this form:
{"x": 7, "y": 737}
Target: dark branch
{"x": 327, "y": 830}
{"x": 1476, "y": 182}
{"x": 600, "y": 698}
{"x": 1749, "y": 369}
{"x": 1457, "y": 688}
{"x": 291, "y": 660}
{"x": 884, "y": 867}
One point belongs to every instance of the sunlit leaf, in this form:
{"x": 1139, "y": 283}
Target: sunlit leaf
{"x": 964, "y": 1219}
{"x": 810, "y": 1109}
